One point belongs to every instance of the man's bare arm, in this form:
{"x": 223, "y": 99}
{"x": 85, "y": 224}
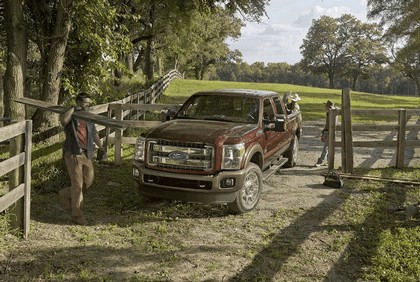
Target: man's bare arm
{"x": 66, "y": 117}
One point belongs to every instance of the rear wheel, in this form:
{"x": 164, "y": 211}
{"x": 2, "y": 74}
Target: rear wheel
{"x": 292, "y": 153}
{"x": 247, "y": 198}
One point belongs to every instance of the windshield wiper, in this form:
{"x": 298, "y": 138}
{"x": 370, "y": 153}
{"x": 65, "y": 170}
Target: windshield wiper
{"x": 217, "y": 119}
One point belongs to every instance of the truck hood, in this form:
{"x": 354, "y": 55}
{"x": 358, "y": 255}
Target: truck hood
{"x": 210, "y": 132}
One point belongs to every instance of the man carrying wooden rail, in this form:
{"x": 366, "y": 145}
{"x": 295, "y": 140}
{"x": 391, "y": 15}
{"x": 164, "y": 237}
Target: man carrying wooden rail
{"x": 78, "y": 151}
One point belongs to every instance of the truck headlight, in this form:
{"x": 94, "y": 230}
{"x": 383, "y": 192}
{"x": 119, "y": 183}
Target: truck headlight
{"x": 232, "y": 156}
{"x": 140, "y": 149}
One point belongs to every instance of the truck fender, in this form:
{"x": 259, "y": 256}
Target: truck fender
{"x": 254, "y": 154}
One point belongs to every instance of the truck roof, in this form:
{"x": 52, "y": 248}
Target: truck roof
{"x": 240, "y": 92}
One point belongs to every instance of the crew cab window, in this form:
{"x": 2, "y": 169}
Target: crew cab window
{"x": 268, "y": 112}
{"x": 279, "y": 108}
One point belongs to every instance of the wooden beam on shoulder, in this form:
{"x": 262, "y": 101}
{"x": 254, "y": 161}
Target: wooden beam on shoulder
{"x": 89, "y": 116}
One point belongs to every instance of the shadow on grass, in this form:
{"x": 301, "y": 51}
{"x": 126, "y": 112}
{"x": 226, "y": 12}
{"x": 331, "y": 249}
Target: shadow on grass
{"x": 362, "y": 248}
{"x": 357, "y": 256}
{"x": 92, "y": 263}
{"x": 269, "y": 261}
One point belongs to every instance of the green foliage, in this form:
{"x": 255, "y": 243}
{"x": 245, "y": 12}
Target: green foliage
{"x": 205, "y": 37}
{"x": 95, "y": 47}
{"x": 401, "y": 18}
{"x": 342, "y": 47}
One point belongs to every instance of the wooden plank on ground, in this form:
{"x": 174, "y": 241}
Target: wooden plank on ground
{"x": 353, "y": 176}
{"x": 97, "y": 119}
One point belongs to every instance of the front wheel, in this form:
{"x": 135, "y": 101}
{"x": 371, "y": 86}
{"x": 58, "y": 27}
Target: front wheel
{"x": 292, "y": 153}
{"x": 247, "y": 198}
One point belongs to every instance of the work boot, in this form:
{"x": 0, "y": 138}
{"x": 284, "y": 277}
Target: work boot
{"x": 79, "y": 220}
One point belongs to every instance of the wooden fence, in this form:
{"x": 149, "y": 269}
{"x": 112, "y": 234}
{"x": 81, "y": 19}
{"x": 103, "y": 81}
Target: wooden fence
{"x": 131, "y": 109}
{"x": 14, "y": 163}
{"x": 401, "y": 126}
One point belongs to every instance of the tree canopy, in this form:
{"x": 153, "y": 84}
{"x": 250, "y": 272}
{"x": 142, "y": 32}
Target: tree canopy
{"x": 342, "y": 47}
{"x": 83, "y": 45}
{"x": 402, "y": 19}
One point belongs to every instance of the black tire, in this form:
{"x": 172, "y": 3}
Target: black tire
{"x": 292, "y": 153}
{"x": 247, "y": 198}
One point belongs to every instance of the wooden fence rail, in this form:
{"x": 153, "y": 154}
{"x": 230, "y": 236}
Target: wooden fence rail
{"x": 23, "y": 158}
{"x": 117, "y": 139}
{"x": 143, "y": 97}
{"x": 401, "y": 127}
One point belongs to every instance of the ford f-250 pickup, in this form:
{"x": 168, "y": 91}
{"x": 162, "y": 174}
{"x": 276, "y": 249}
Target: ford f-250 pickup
{"x": 218, "y": 148}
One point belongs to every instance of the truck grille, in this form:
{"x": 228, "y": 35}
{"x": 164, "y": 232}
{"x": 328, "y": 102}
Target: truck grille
{"x": 180, "y": 155}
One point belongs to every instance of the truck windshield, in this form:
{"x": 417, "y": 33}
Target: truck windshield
{"x": 221, "y": 107}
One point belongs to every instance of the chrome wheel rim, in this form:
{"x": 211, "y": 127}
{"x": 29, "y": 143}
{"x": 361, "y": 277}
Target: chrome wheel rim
{"x": 250, "y": 189}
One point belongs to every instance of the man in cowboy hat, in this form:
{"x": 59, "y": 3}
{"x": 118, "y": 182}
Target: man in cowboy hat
{"x": 324, "y": 134}
{"x": 293, "y": 106}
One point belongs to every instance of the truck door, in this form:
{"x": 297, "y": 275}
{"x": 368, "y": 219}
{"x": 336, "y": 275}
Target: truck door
{"x": 274, "y": 140}
{"x": 281, "y": 111}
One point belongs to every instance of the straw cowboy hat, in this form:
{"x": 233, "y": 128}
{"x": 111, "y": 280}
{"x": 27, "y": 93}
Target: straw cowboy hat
{"x": 296, "y": 97}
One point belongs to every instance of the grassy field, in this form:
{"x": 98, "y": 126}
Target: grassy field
{"x": 312, "y": 98}
{"x": 133, "y": 240}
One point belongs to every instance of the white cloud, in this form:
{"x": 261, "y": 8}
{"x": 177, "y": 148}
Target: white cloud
{"x": 278, "y": 38}
{"x": 305, "y": 18}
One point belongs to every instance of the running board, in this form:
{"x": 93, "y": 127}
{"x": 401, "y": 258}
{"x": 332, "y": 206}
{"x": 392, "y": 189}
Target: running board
{"x": 273, "y": 168}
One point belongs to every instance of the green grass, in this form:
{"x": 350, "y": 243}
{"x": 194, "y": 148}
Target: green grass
{"x": 312, "y": 98}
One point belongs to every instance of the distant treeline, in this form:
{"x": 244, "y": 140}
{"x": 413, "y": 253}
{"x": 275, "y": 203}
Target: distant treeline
{"x": 382, "y": 80}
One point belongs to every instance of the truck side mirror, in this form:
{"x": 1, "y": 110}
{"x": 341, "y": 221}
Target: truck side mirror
{"x": 276, "y": 125}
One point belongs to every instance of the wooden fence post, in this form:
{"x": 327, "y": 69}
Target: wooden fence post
{"x": 331, "y": 137}
{"x": 27, "y": 179}
{"x": 346, "y": 133}
{"x": 118, "y": 136}
{"x": 402, "y": 121}
{"x": 15, "y": 179}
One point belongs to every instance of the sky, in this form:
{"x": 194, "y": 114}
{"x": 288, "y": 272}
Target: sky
{"x": 278, "y": 38}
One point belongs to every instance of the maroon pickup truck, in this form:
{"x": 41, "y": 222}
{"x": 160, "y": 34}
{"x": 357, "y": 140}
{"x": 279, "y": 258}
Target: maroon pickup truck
{"x": 218, "y": 148}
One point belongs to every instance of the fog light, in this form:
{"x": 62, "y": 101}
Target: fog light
{"x": 227, "y": 182}
{"x": 136, "y": 172}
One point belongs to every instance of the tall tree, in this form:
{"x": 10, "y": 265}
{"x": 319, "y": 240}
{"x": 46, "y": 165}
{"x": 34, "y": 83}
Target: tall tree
{"x": 366, "y": 50}
{"x": 14, "y": 81}
{"x": 14, "y": 87}
{"x": 323, "y": 49}
{"x": 341, "y": 47}
{"x": 162, "y": 24}
{"x": 51, "y": 22}
{"x": 205, "y": 37}
{"x": 403, "y": 21}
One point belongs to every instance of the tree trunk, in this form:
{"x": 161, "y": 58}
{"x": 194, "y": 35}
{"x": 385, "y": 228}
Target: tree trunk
{"x": 417, "y": 81}
{"x": 1, "y": 96}
{"x": 331, "y": 80}
{"x": 139, "y": 60}
{"x": 150, "y": 48}
{"x": 44, "y": 120}
{"x": 129, "y": 61}
{"x": 353, "y": 86}
{"x": 149, "y": 63}
{"x": 14, "y": 78}
{"x": 14, "y": 87}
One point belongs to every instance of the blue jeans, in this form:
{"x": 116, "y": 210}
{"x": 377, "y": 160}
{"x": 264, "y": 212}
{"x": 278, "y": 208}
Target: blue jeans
{"x": 324, "y": 152}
